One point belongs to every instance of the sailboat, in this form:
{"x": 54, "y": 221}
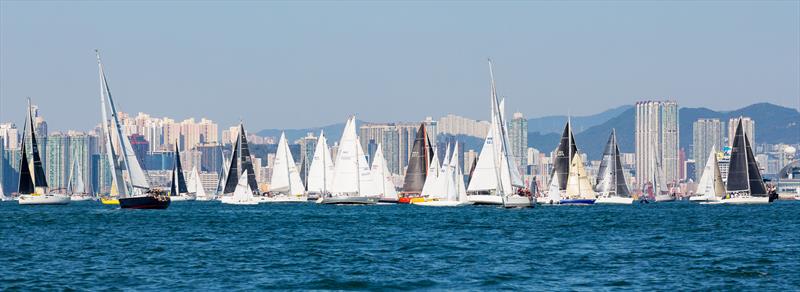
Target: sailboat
{"x": 611, "y": 186}
{"x": 33, "y": 187}
{"x": 240, "y": 159}
{"x": 178, "y": 191}
{"x": 75, "y": 186}
{"x": 285, "y": 184}
{"x": 455, "y": 190}
{"x": 321, "y": 170}
{"x": 195, "y": 187}
{"x": 496, "y": 181}
{"x": 418, "y": 167}
{"x": 134, "y": 190}
{"x": 353, "y": 182}
{"x": 388, "y": 193}
{"x": 745, "y": 184}
{"x": 433, "y": 188}
{"x": 710, "y": 187}
{"x": 242, "y": 193}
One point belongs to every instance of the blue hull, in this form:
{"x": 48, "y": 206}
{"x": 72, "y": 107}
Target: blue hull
{"x": 577, "y": 202}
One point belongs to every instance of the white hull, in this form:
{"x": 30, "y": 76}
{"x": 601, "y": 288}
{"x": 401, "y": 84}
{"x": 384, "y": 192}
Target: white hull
{"x": 700, "y": 199}
{"x": 614, "y": 200}
{"x": 283, "y": 199}
{"x": 516, "y": 201}
{"x": 204, "y": 199}
{"x": 664, "y": 198}
{"x": 235, "y": 201}
{"x": 746, "y": 200}
{"x": 181, "y": 198}
{"x": 47, "y": 199}
{"x": 348, "y": 200}
{"x": 485, "y": 199}
{"x": 80, "y": 197}
{"x": 443, "y": 203}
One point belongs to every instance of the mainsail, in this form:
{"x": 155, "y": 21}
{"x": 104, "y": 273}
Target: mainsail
{"x": 578, "y": 184}
{"x": 285, "y": 177}
{"x": 232, "y": 177}
{"x": 321, "y": 170}
{"x": 178, "y": 185}
{"x": 458, "y": 177}
{"x": 610, "y": 177}
{"x": 25, "y": 178}
{"x": 246, "y": 161}
{"x": 744, "y": 177}
{"x": 382, "y": 175}
{"x": 566, "y": 148}
{"x": 710, "y": 184}
{"x": 39, "y": 179}
{"x": 418, "y": 163}
{"x": 433, "y": 182}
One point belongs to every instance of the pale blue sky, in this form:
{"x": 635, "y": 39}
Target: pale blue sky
{"x": 293, "y": 65}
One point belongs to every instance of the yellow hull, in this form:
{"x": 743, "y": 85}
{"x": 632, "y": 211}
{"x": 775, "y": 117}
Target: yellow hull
{"x": 109, "y": 201}
{"x": 418, "y": 200}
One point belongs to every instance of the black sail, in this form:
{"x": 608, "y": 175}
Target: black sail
{"x": 606, "y": 165}
{"x": 247, "y": 163}
{"x": 233, "y": 170}
{"x": 177, "y": 173}
{"x": 611, "y": 170}
{"x": 619, "y": 176}
{"x": 472, "y": 169}
{"x": 39, "y": 179}
{"x": 563, "y": 159}
{"x": 25, "y": 179}
{"x": 756, "y": 182}
{"x": 738, "y": 180}
{"x": 417, "y": 169}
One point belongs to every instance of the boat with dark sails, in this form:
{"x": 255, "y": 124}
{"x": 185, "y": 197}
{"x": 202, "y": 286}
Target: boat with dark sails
{"x": 417, "y": 169}
{"x": 33, "y": 187}
{"x": 745, "y": 184}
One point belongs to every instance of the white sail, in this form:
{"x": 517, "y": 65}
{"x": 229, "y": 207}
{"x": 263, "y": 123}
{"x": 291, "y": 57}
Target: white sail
{"x": 191, "y": 185}
{"x": 195, "y": 184}
{"x": 458, "y": 177}
{"x": 553, "y": 192}
{"x": 446, "y": 180}
{"x": 432, "y": 187}
{"x": 484, "y": 177}
{"x": 320, "y": 175}
{"x": 367, "y": 184}
{"x": 75, "y": 183}
{"x": 578, "y": 184}
{"x": 710, "y": 185}
{"x": 114, "y": 169}
{"x": 243, "y": 191}
{"x": 382, "y": 175}
{"x": 285, "y": 176}
{"x": 346, "y": 166}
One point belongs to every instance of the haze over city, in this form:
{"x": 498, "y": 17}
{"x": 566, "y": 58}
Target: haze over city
{"x": 295, "y": 65}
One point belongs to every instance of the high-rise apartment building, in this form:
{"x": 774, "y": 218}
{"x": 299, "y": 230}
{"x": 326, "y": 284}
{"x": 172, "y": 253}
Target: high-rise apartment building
{"x": 705, "y": 134}
{"x": 518, "y": 138}
{"x": 457, "y": 125}
{"x": 58, "y": 158}
{"x": 657, "y": 140}
{"x": 748, "y": 126}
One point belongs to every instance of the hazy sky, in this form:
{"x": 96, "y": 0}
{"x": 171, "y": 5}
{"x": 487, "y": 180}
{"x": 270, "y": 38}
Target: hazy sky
{"x": 293, "y": 65}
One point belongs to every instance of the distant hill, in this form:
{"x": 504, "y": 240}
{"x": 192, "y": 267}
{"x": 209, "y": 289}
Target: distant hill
{"x": 774, "y": 124}
{"x": 555, "y": 124}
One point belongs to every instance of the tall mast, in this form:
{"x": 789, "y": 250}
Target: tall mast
{"x": 324, "y": 163}
{"x": 358, "y": 158}
{"x": 496, "y": 120}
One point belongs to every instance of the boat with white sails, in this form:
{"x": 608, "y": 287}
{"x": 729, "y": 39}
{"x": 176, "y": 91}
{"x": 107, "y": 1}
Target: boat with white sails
{"x": 285, "y": 184}
{"x": 353, "y": 182}
{"x": 388, "y": 193}
{"x": 33, "y": 188}
{"x": 242, "y": 193}
{"x": 569, "y": 182}
{"x": 178, "y": 191}
{"x": 320, "y": 173}
{"x": 710, "y": 188}
{"x": 611, "y": 186}
{"x": 496, "y": 179}
{"x": 76, "y": 188}
{"x": 454, "y": 190}
{"x": 195, "y": 187}
{"x": 234, "y": 192}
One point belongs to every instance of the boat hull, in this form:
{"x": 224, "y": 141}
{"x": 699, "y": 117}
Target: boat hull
{"x": 664, "y": 198}
{"x": 283, "y": 199}
{"x": 388, "y": 200}
{"x": 46, "y": 199}
{"x": 348, "y": 201}
{"x": 700, "y": 199}
{"x": 181, "y": 198}
{"x": 515, "y": 201}
{"x": 80, "y": 197}
{"x": 109, "y": 201}
{"x": 230, "y": 200}
{"x": 443, "y": 203}
{"x": 485, "y": 199}
{"x": 746, "y": 200}
{"x": 614, "y": 200}
{"x": 145, "y": 202}
{"x": 576, "y": 202}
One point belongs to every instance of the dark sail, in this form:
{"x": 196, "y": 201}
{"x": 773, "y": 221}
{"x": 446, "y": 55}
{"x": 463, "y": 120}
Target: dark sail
{"x": 39, "y": 179}
{"x": 25, "y": 179}
{"x": 563, "y": 159}
{"x": 417, "y": 169}
{"x": 738, "y": 180}
{"x": 611, "y": 170}
{"x": 247, "y": 163}
{"x": 303, "y": 171}
{"x": 177, "y": 172}
{"x": 606, "y": 164}
{"x": 472, "y": 169}
{"x": 619, "y": 176}
{"x": 757, "y": 187}
{"x": 233, "y": 170}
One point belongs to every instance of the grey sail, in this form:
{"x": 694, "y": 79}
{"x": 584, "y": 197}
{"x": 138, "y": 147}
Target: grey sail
{"x": 565, "y": 149}
{"x": 25, "y": 178}
{"x": 755, "y": 181}
{"x": 738, "y": 176}
{"x": 178, "y": 185}
{"x": 247, "y": 163}
{"x": 610, "y": 177}
{"x": 233, "y": 170}
{"x": 417, "y": 170}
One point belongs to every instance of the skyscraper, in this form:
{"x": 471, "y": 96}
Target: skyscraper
{"x": 657, "y": 140}
{"x": 518, "y": 136}
{"x": 457, "y": 125}
{"x": 705, "y": 134}
{"x": 81, "y": 148}
{"x": 749, "y": 128}
{"x": 58, "y": 158}
{"x": 308, "y": 145}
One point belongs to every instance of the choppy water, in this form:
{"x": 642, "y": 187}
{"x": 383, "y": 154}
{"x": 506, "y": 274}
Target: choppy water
{"x": 209, "y": 246}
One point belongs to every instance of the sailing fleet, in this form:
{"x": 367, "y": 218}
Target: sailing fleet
{"x": 348, "y": 178}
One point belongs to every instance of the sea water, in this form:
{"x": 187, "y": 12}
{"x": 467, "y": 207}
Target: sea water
{"x": 210, "y": 246}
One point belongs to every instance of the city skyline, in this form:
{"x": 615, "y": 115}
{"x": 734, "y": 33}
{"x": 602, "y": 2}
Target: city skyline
{"x": 747, "y": 54}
